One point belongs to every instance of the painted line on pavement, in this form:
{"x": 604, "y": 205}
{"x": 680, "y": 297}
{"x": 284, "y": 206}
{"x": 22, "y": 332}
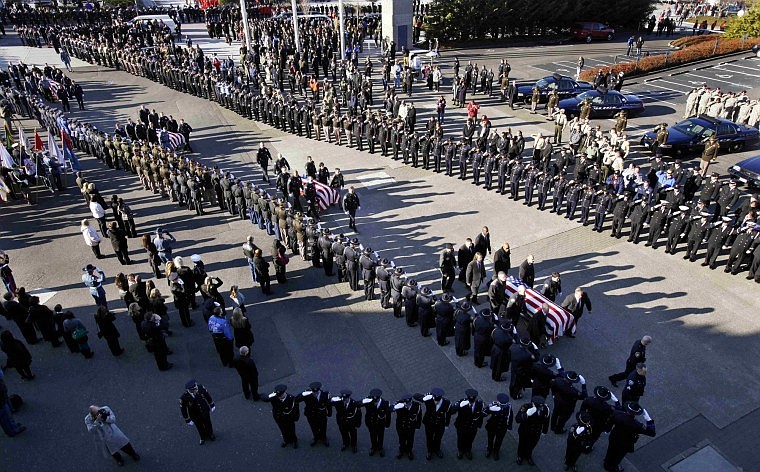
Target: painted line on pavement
{"x": 719, "y": 80}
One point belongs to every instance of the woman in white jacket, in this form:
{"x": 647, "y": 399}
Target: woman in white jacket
{"x": 101, "y": 423}
{"x": 91, "y": 238}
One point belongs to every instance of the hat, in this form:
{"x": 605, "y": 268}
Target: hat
{"x": 195, "y": 258}
{"x": 412, "y": 282}
{"x": 281, "y": 388}
{"x": 406, "y": 397}
{"x": 385, "y": 262}
{"x": 446, "y": 297}
{"x": 465, "y": 306}
{"x": 584, "y": 417}
{"x": 427, "y": 291}
{"x": 485, "y": 312}
{"x": 471, "y": 393}
{"x": 191, "y": 384}
{"x": 506, "y": 325}
{"x": 502, "y": 398}
{"x": 548, "y": 360}
{"x": 641, "y": 365}
{"x": 375, "y": 392}
{"x": 367, "y": 250}
{"x": 633, "y": 407}
{"x": 88, "y": 268}
{"x": 572, "y": 376}
{"x": 525, "y": 341}
{"x": 602, "y": 393}
{"x": 538, "y": 399}
{"x": 726, "y": 219}
{"x": 437, "y": 392}
{"x": 355, "y": 242}
{"x": 315, "y": 386}
{"x": 399, "y": 271}
{"x": 345, "y": 392}
{"x": 448, "y": 246}
{"x": 683, "y": 208}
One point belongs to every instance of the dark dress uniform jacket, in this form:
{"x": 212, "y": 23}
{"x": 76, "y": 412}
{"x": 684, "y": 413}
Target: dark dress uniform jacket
{"x": 195, "y": 407}
{"x": 348, "y": 416}
{"x": 408, "y": 418}
{"x": 285, "y": 411}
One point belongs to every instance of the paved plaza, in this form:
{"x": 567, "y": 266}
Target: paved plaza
{"x": 702, "y": 381}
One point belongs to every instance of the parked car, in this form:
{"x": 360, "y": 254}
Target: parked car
{"x": 748, "y": 171}
{"x": 604, "y": 103}
{"x": 689, "y": 135}
{"x": 756, "y": 49}
{"x": 566, "y": 87}
{"x": 588, "y": 30}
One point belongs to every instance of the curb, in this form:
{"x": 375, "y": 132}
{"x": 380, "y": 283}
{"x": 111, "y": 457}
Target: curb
{"x": 679, "y": 66}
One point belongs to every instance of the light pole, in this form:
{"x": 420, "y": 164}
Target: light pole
{"x": 295, "y": 23}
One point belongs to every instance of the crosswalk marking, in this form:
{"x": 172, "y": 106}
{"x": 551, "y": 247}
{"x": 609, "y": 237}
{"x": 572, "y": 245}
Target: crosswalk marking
{"x": 376, "y": 179}
{"x": 44, "y": 294}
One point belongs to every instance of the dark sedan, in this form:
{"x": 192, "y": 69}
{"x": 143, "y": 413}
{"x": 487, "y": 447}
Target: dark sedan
{"x": 748, "y": 171}
{"x": 603, "y": 104}
{"x": 566, "y": 87}
{"x": 689, "y": 135}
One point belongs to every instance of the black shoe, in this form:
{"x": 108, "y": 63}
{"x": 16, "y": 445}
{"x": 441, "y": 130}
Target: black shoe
{"x": 283, "y": 444}
{"x": 202, "y": 442}
{"x": 399, "y": 455}
{"x": 488, "y": 454}
{"x": 371, "y": 452}
{"x": 411, "y": 456}
{"x": 326, "y": 443}
{"x": 704, "y": 264}
{"x": 530, "y": 461}
{"x": 343, "y": 448}
{"x": 439, "y": 454}
{"x": 429, "y": 456}
{"x": 135, "y": 456}
{"x": 459, "y": 455}
{"x": 519, "y": 461}
{"x": 468, "y": 454}
{"x": 119, "y": 461}
{"x": 382, "y": 452}
{"x": 212, "y": 437}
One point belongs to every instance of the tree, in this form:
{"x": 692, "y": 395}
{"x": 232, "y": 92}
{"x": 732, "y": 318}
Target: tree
{"x": 748, "y": 24}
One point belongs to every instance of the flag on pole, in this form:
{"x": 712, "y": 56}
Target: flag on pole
{"x": 5, "y": 158}
{"x": 8, "y": 137}
{"x": 23, "y": 142}
{"x": 68, "y": 150}
{"x": 38, "y": 146}
{"x": 55, "y": 151}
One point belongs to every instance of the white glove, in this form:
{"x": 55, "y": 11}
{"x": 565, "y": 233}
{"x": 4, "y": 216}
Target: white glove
{"x": 335, "y": 399}
{"x": 366, "y": 400}
{"x": 579, "y": 429}
{"x": 583, "y": 381}
{"x": 531, "y": 411}
{"x": 463, "y": 403}
{"x": 272, "y": 395}
{"x": 398, "y": 406}
{"x": 213, "y": 409}
{"x": 613, "y": 397}
{"x": 494, "y": 408}
{"x": 647, "y": 418}
{"x": 534, "y": 345}
{"x": 306, "y": 393}
{"x": 427, "y": 398}
{"x": 557, "y": 364}
{"x": 190, "y": 423}
{"x": 514, "y": 330}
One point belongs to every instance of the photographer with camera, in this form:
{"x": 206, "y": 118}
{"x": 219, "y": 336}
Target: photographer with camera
{"x": 101, "y": 423}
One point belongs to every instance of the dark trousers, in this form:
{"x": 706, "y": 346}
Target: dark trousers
{"x": 405, "y": 440}
{"x": 526, "y": 444}
{"x": 385, "y": 296}
{"x": 203, "y": 425}
{"x": 250, "y": 385}
{"x": 184, "y": 314}
{"x": 352, "y": 219}
{"x": 348, "y": 434}
{"x": 288, "y": 431}
{"x": 128, "y": 449}
{"x": 113, "y": 345}
{"x": 465, "y": 438}
{"x": 433, "y": 436}
{"x": 573, "y": 451}
{"x": 318, "y": 424}
{"x": 447, "y": 280}
{"x": 495, "y": 439}
{"x": 224, "y": 348}
{"x": 620, "y": 376}
{"x": 123, "y": 256}
{"x": 376, "y": 437}
{"x": 369, "y": 289}
{"x": 560, "y": 415}
{"x": 614, "y": 456}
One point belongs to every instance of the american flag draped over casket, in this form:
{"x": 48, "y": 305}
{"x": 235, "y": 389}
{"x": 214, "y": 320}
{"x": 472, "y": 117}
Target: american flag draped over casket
{"x": 326, "y": 195}
{"x": 557, "y": 320}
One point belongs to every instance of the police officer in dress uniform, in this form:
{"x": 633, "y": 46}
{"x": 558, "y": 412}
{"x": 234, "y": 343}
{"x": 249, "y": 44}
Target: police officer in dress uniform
{"x": 337, "y": 249}
{"x": 408, "y": 421}
{"x": 578, "y": 438}
{"x": 565, "y": 398}
{"x": 625, "y": 432}
{"x": 196, "y": 406}
{"x": 438, "y": 411}
{"x": 398, "y": 280}
{"x": 348, "y": 416}
{"x": 447, "y": 264}
{"x": 383, "y": 276}
{"x": 470, "y": 413}
{"x": 377, "y": 418}
{"x": 482, "y": 327}
{"x": 533, "y": 418}
{"x": 600, "y": 411}
{"x": 317, "y": 407}
{"x": 638, "y": 354}
{"x": 286, "y": 412}
{"x": 409, "y": 296}
{"x": 351, "y": 257}
{"x": 500, "y": 418}
{"x": 462, "y": 328}
{"x": 444, "y": 319}
{"x": 635, "y": 383}
{"x": 367, "y": 267}
{"x": 325, "y": 246}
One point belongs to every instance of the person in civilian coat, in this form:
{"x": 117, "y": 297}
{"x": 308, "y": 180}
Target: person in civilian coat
{"x": 476, "y": 274}
{"x": 249, "y": 374}
{"x": 107, "y": 329}
{"x": 101, "y": 424}
{"x": 501, "y": 259}
{"x": 262, "y": 272}
{"x": 464, "y": 256}
{"x": 527, "y": 271}
{"x": 483, "y": 242}
{"x": 118, "y": 239}
{"x": 574, "y": 304}
{"x": 18, "y": 356}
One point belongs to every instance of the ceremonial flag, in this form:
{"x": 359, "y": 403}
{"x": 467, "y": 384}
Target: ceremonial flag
{"x": 558, "y": 320}
{"x": 55, "y": 151}
{"x": 23, "y": 142}
{"x": 176, "y": 140}
{"x": 8, "y": 137}
{"x": 54, "y": 88}
{"x": 68, "y": 151}
{"x": 38, "y": 146}
{"x": 326, "y": 196}
{"x": 5, "y": 158}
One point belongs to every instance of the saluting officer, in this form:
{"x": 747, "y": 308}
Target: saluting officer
{"x": 578, "y": 438}
{"x": 317, "y": 408}
{"x": 438, "y": 411}
{"x": 286, "y": 412}
{"x": 348, "y": 416}
{"x": 482, "y": 327}
{"x": 470, "y": 413}
{"x": 625, "y": 432}
{"x": 500, "y": 418}
{"x": 600, "y": 411}
{"x": 337, "y": 249}
{"x": 408, "y": 421}
{"x": 533, "y": 418}
{"x": 565, "y": 397}
{"x": 378, "y": 418}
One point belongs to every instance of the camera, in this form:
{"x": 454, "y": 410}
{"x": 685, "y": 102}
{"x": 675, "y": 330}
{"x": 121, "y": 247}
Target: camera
{"x": 103, "y": 413}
